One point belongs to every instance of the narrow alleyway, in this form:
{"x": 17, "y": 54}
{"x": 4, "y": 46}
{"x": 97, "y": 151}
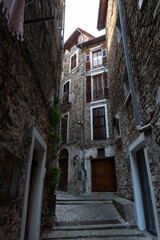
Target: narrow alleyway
{"x": 90, "y": 217}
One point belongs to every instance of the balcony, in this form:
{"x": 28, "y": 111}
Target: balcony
{"x": 97, "y": 63}
{"x": 66, "y": 100}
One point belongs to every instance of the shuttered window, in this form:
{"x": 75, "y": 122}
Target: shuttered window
{"x": 64, "y": 123}
{"x": 88, "y": 88}
{"x": 87, "y": 61}
{"x": 73, "y": 61}
{"x": 104, "y": 54}
{"x": 97, "y": 59}
{"x": 97, "y": 87}
{"x": 105, "y": 82}
{"x": 99, "y": 123}
{"x": 66, "y": 93}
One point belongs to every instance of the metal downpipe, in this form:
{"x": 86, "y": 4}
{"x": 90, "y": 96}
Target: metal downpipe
{"x": 129, "y": 70}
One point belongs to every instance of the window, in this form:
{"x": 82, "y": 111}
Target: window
{"x": 126, "y": 86}
{"x": 97, "y": 59}
{"x": 73, "y": 61}
{"x": 116, "y": 124}
{"x": 64, "y": 128}
{"x": 99, "y": 123}
{"x": 66, "y": 92}
{"x": 99, "y": 89}
{"x": 9, "y": 175}
{"x": 87, "y": 63}
{"x": 101, "y": 152}
{"x": 118, "y": 29}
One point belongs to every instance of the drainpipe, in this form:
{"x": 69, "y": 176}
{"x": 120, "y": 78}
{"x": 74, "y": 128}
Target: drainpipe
{"x": 62, "y": 50}
{"x": 84, "y": 119}
{"x": 129, "y": 70}
{"x": 83, "y": 116}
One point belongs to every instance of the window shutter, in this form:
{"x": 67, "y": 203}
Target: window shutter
{"x": 102, "y": 123}
{"x": 71, "y": 63}
{"x": 75, "y": 58}
{"x": 105, "y": 81}
{"x": 66, "y": 92}
{"x": 99, "y": 123}
{"x": 88, "y": 88}
{"x": 95, "y": 123}
{"x": 104, "y": 54}
{"x": 88, "y": 64}
{"x": 64, "y": 129}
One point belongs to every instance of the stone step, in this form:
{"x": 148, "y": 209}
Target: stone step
{"x": 70, "y": 202}
{"x": 114, "y": 222}
{"x": 96, "y": 226}
{"x": 113, "y": 234}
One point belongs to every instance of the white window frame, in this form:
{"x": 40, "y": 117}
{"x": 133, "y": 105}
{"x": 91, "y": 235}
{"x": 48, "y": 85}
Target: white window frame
{"x": 91, "y": 54}
{"x": 92, "y": 75}
{"x": 67, "y": 113}
{"x": 106, "y": 119}
{"x": 69, "y": 88}
{"x": 71, "y": 70}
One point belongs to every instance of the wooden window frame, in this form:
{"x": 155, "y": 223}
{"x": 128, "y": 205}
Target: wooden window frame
{"x": 97, "y": 65}
{"x": 9, "y": 175}
{"x": 73, "y": 61}
{"x": 106, "y": 121}
{"x": 96, "y": 77}
{"x": 66, "y": 94}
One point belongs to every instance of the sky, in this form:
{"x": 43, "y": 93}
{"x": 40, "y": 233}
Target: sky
{"x": 82, "y": 14}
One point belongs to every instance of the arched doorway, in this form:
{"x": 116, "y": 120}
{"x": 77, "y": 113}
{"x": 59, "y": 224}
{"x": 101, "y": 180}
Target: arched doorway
{"x": 63, "y": 164}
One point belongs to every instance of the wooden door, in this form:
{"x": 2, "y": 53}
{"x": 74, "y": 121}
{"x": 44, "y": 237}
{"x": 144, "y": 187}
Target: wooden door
{"x": 146, "y": 193}
{"x": 103, "y": 175}
{"x": 63, "y": 164}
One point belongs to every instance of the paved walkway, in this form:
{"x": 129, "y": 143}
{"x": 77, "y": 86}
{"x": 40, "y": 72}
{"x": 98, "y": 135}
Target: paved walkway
{"x": 90, "y": 217}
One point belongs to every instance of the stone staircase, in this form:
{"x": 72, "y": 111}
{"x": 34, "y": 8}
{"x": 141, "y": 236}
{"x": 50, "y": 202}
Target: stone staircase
{"x": 91, "y": 217}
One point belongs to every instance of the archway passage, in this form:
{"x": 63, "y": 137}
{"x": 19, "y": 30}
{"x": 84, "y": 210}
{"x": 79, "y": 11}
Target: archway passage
{"x": 103, "y": 175}
{"x": 63, "y": 164}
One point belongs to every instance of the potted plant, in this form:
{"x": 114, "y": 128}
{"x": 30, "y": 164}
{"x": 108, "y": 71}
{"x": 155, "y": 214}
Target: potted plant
{"x": 53, "y": 181}
{"x": 50, "y": 219}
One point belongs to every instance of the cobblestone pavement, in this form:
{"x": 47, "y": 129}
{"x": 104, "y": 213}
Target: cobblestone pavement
{"x": 90, "y": 217}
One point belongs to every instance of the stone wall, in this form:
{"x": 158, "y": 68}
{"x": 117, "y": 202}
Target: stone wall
{"x": 25, "y": 97}
{"x": 143, "y": 43}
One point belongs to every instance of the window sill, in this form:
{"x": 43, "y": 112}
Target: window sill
{"x": 98, "y": 101}
{"x": 128, "y": 99}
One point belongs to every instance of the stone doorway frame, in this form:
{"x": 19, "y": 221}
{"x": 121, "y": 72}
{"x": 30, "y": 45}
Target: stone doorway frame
{"x": 39, "y": 144}
{"x": 138, "y": 144}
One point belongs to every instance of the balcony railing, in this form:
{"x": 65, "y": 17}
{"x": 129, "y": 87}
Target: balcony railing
{"x": 66, "y": 98}
{"x": 96, "y": 63}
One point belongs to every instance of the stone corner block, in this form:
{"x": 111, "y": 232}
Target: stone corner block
{"x": 126, "y": 209}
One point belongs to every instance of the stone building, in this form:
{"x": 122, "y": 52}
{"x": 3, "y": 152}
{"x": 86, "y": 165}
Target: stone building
{"x": 133, "y": 50}
{"x": 87, "y": 155}
{"x": 30, "y": 69}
